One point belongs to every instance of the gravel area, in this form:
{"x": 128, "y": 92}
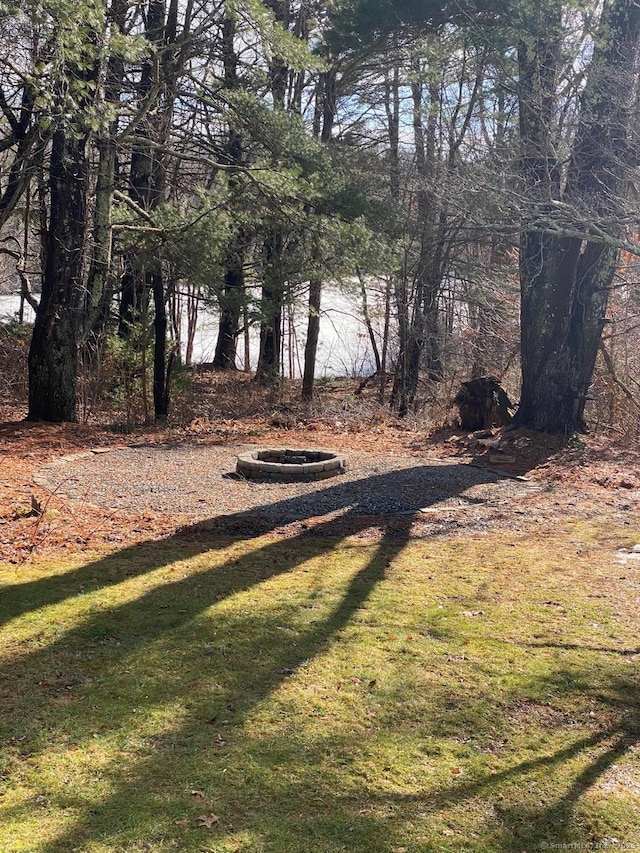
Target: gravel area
{"x": 198, "y": 482}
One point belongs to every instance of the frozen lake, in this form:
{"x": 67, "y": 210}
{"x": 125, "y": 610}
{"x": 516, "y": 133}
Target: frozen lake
{"x": 343, "y": 346}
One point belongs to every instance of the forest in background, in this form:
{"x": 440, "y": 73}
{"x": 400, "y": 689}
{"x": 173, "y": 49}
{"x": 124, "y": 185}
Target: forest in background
{"x": 468, "y": 168}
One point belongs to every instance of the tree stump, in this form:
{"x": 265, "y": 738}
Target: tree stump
{"x": 483, "y": 403}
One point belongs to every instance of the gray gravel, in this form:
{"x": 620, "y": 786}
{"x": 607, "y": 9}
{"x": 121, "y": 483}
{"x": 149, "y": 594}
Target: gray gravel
{"x": 199, "y": 482}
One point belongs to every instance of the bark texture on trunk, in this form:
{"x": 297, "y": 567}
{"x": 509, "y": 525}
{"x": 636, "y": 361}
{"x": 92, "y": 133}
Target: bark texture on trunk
{"x": 273, "y": 286}
{"x": 230, "y": 313}
{"x": 565, "y": 280}
{"x": 53, "y": 354}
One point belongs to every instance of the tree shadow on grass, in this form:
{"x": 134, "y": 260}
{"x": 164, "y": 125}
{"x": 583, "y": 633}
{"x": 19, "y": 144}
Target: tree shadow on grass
{"x": 533, "y": 810}
{"x": 527, "y": 824}
{"x": 580, "y": 647}
{"x": 17, "y": 599}
{"x": 531, "y": 804}
{"x": 260, "y": 663}
{"x": 116, "y": 667}
{"x": 102, "y": 650}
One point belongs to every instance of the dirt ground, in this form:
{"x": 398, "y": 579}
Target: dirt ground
{"x": 594, "y": 477}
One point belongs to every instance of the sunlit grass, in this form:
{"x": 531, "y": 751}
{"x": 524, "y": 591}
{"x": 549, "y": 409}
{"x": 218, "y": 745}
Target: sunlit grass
{"x": 310, "y": 694}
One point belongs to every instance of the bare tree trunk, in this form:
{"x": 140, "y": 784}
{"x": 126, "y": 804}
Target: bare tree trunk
{"x": 366, "y": 316}
{"x": 99, "y": 284}
{"x": 385, "y": 342}
{"x": 325, "y": 107}
{"x": 231, "y": 301}
{"x": 313, "y": 332}
{"x": 53, "y": 354}
{"x": 161, "y": 370}
{"x": 232, "y": 296}
{"x": 565, "y": 280}
{"x": 273, "y": 286}
{"x": 147, "y": 182}
{"x": 268, "y": 369}
{"x": 412, "y": 325}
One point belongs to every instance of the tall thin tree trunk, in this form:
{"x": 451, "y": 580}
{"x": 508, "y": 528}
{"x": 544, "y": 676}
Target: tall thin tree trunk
{"x": 99, "y": 284}
{"x": 366, "y": 316}
{"x": 231, "y": 301}
{"x": 313, "y": 333}
{"x": 324, "y": 118}
{"x": 148, "y": 175}
{"x": 273, "y": 285}
{"x": 232, "y": 296}
{"x": 160, "y": 368}
{"x": 385, "y": 342}
{"x": 268, "y": 369}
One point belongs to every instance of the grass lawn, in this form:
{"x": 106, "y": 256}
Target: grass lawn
{"x": 312, "y": 695}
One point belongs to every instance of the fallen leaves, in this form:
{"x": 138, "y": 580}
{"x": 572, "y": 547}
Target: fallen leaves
{"x": 203, "y": 821}
{"x": 603, "y": 464}
{"x": 208, "y": 821}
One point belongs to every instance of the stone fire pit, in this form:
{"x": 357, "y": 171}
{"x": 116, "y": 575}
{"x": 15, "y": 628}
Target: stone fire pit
{"x": 291, "y": 465}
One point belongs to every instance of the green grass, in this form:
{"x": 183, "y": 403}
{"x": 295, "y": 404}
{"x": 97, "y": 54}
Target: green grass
{"x": 318, "y": 695}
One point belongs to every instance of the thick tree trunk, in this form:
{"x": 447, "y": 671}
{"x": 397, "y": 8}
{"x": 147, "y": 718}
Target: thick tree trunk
{"x": 564, "y": 301}
{"x": 53, "y": 355}
{"x": 53, "y": 364}
{"x": 565, "y": 280}
{"x": 268, "y": 369}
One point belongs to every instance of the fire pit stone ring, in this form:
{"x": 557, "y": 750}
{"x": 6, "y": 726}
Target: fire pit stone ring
{"x": 287, "y": 465}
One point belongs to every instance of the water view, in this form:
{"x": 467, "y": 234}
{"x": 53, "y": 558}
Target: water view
{"x": 343, "y": 347}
